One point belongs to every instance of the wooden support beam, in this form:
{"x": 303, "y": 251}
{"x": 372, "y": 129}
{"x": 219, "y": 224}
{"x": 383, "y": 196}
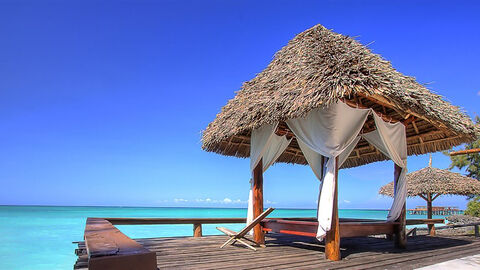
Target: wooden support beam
{"x": 197, "y": 230}
{"x": 380, "y": 100}
{"x": 352, "y": 103}
{"x": 415, "y": 127}
{"x": 421, "y": 143}
{"x": 332, "y": 239}
{"x": 400, "y": 229}
{"x": 258, "y": 234}
{"x": 283, "y": 130}
{"x": 431, "y": 227}
{"x": 465, "y": 152}
{"x": 408, "y": 120}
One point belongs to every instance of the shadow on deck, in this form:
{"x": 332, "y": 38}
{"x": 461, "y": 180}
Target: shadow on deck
{"x": 288, "y": 251}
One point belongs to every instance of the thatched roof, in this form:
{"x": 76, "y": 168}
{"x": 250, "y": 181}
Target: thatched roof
{"x": 436, "y": 181}
{"x": 319, "y": 67}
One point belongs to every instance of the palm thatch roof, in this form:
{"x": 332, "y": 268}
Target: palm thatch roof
{"x": 319, "y": 67}
{"x": 436, "y": 181}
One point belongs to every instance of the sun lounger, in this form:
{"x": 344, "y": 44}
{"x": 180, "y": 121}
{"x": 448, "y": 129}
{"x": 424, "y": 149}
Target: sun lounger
{"x": 240, "y": 236}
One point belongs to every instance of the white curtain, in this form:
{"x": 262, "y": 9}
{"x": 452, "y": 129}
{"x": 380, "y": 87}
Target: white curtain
{"x": 331, "y": 132}
{"x": 259, "y": 141}
{"x": 390, "y": 139}
{"x": 328, "y": 132}
{"x": 265, "y": 145}
{"x": 346, "y": 153}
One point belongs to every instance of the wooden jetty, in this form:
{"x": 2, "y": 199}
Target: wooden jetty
{"x": 299, "y": 252}
{"x": 436, "y": 210}
{"x": 106, "y": 247}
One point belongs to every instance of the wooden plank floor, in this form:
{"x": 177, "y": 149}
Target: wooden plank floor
{"x": 289, "y": 252}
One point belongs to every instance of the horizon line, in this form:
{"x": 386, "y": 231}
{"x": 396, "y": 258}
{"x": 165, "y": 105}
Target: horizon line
{"x": 200, "y": 207}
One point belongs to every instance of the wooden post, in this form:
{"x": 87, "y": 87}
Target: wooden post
{"x": 332, "y": 238}
{"x": 400, "y": 229}
{"x": 197, "y": 230}
{"x": 431, "y": 227}
{"x": 258, "y": 234}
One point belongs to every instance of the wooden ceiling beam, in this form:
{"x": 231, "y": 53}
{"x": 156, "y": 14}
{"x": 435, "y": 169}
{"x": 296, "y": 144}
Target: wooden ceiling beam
{"x": 384, "y": 102}
{"x": 352, "y": 104}
{"x": 409, "y": 120}
{"x": 415, "y": 127}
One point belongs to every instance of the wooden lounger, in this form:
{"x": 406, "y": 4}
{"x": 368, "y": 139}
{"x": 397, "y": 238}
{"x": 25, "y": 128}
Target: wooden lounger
{"x": 234, "y": 236}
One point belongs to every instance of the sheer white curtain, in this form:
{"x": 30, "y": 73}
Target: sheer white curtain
{"x": 265, "y": 145}
{"x": 259, "y": 141}
{"x": 327, "y": 132}
{"x": 391, "y": 140}
{"x": 331, "y": 132}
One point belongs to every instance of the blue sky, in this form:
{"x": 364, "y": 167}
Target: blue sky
{"x": 103, "y": 102}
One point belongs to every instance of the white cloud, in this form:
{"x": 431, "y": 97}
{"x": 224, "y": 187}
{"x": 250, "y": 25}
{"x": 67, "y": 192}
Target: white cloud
{"x": 224, "y": 201}
{"x": 346, "y": 201}
{"x": 270, "y": 202}
{"x": 179, "y": 200}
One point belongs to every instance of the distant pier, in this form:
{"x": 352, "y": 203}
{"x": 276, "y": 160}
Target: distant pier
{"x": 436, "y": 210}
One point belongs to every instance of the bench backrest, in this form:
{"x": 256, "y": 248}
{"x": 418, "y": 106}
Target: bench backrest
{"x": 255, "y": 222}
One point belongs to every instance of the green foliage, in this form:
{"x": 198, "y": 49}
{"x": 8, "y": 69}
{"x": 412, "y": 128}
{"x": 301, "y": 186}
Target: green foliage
{"x": 471, "y": 164}
{"x": 473, "y": 207}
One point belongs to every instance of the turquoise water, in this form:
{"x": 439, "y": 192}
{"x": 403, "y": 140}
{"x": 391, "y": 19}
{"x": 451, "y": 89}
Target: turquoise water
{"x": 41, "y": 237}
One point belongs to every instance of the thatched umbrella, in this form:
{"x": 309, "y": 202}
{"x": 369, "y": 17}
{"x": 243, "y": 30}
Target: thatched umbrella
{"x": 429, "y": 183}
{"x": 319, "y": 67}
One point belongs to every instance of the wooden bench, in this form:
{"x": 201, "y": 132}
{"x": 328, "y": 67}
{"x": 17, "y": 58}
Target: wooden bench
{"x": 348, "y": 227}
{"x": 108, "y": 248}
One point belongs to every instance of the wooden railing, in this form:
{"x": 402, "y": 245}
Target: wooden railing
{"x": 196, "y": 222}
{"x": 475, "y": 226}
{"x": 425, "y": 221}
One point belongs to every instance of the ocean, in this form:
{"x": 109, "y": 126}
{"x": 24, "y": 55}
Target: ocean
{"x": 40, "y": 237}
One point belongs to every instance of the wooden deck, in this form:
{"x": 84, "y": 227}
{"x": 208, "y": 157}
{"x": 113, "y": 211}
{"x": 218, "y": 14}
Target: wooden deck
{"x": 290, "y": 251}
